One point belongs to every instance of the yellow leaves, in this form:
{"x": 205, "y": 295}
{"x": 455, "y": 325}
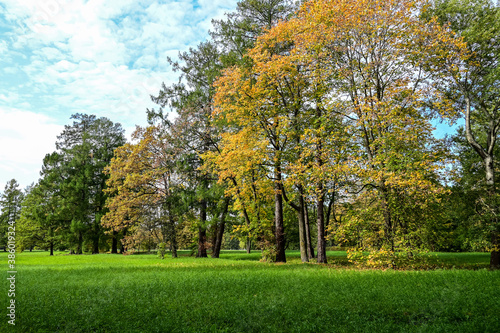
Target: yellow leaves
{"x": 137, "y": 176}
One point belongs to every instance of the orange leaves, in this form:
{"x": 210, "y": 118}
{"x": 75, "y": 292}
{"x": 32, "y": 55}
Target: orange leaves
{"x": 138, "y": 177}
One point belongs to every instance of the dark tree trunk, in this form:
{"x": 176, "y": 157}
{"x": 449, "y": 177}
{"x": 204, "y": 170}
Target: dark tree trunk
{"x": 320, "y": 221}
{"x": 122, "y": 247}
{"x": 214, "y": 233}
{"x": 172, "y": 235}
{"x": 302, "y": 228}
{"x": 202, "y": 231}
{"x": 95, "y": 249}
{"x": 79, "y": 249}
{"x": 220, "y": 231}
{"x": 248, "y": 241}
{"x": 51, "y": 248}
{"x": 309, "y": 246}
{"x": 114, "y": 243}
{"x": 278, "y": 219}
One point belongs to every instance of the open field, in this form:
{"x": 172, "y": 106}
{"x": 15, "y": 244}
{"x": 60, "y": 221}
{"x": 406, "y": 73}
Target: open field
{"x": 237, "y": 293}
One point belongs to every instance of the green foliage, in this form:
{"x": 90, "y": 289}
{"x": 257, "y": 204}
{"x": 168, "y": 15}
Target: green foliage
{"x": 68, "y": 201}
{"x": 10, "y": 209}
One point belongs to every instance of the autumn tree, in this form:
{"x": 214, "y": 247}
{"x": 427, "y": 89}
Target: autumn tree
{"x": 145, "y": 184}
{"x": 237, "y": 35}
{"x": 362, "y": 72}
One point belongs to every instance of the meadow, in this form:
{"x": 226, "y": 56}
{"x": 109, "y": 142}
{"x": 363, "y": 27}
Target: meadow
{"x": 237, "y": 293}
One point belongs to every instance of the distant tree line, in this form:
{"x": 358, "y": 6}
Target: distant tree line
{"x": 298, "y": 125}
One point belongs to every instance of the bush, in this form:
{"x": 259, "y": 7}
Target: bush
{"x": 403, "y": 258}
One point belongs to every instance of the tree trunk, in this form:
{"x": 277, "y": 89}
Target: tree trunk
{"x": 299, "y": 209}
{"x": 302, "y": 232}
{"x": 220, "y": 231}
{"x": 494, "y": 236}
{"x": 51, "y": 248}
{"x": 320, "y": 222}
{"x": 202, "y": 231}
{"x": 214, "y": 233}
{"x": 488, "y": 160}
{"x": 309, "y": 246}
{"x": 79, "y": 249}
{"x": 95, "y": 249}
{"x": 278, "y": 218}
{"x": 114, "y": 243}
{"x": 122, "y": 247}
{"x": 172, "y": 235}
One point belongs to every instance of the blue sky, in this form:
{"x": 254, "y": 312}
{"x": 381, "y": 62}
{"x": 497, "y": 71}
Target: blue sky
{"x": 106, "y": 57}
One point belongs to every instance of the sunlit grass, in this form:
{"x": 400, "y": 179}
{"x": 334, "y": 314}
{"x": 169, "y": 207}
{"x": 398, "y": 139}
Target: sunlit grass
{"x": 237, "y": 293}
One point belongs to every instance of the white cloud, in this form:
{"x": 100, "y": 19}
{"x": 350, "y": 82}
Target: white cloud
{"x": 25, "y": 138}
{"x": 104, "y": 57}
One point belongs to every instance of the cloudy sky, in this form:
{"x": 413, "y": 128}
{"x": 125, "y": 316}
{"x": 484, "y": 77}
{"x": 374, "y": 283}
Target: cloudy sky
{"x": 102, "y": 57}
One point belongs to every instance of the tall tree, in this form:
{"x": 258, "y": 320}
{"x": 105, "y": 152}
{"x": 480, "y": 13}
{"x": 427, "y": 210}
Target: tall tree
{"x": 471, "y": 82}
{"x": 146, "y": 185}
{"x": 361, "y": 65}
{"x": 192, "y": 129}
{"x": 73, "y": 174}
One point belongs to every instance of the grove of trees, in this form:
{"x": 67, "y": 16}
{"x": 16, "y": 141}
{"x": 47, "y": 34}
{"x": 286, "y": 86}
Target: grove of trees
{"x": 297, "y": 125}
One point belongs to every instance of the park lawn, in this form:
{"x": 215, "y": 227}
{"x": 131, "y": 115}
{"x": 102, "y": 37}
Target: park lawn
{"x": 237, "y": 293}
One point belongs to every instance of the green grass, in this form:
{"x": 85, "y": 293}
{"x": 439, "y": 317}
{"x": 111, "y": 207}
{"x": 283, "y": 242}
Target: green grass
{"x": 237, "y": 293}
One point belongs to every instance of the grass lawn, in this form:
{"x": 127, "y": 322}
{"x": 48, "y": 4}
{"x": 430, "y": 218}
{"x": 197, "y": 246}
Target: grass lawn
{"x": 237, "y": 293}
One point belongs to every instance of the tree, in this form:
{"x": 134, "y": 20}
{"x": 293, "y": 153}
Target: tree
{"x": 10, "y": 203}
{"x": 72, "y": 182}
{"x": 194, "y": 133}
{"x": 341, "y": 69}
{"x": 43, "y": 222}
{"x": 145, "y": 184}
{"x": 471, "y": 81}
{"x": 251, "y": 19}
{"x": 465, "y": 211}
